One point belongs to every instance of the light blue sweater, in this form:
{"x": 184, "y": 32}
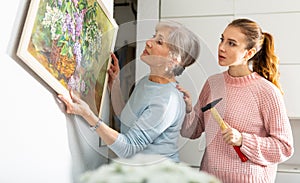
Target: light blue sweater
{"x": 151, "y": 121}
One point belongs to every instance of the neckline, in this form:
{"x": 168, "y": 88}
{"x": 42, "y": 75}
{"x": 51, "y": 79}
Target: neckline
{"x": 172, "y": 83}
{"x": 160, "y": 80}
{"x": 241, "y": 81}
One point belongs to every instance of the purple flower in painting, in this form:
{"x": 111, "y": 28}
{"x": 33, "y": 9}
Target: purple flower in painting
{"x": 74, "y": 83}
{"x": 68, "y": 20}
{"x": 82, "y": 86}
{"x": 75, "y": 2}
{"x": 78, "y": 20}
{"x": 59, "y": 2}
{"x": 77, "y": 52}
{"x": 64, "y": 26}
{"x": 70, "y": 25}
{"x": 84, "y": 11}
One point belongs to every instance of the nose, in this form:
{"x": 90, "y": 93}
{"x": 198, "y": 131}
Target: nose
{"x": 221, "y": 47}
{"x": 149, "y": 43}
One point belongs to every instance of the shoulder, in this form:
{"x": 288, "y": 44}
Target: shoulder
{"x": 268, "y": 94}
{"x": 142, "y": 79}
{"x": 168, "y": 92}
{"x": 267, "y": 88}
{"x": 216, "y": 79}
{"x": 215, "y": 83}
{"x": 216, "y": 76}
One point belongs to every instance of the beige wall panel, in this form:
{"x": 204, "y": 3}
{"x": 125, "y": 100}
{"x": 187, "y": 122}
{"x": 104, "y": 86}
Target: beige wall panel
{"x": 181, "y": 8}
{"x": 209, "y": 29}
{"x": 290, "y": 75}
{"x": 259, "y": 6}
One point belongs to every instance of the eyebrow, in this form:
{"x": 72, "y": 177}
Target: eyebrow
{"x": 160, "y": 35}
{"x": 229, "y": 38}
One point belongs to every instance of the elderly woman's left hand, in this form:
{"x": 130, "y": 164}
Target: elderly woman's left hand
{"x": 113, "y": 71}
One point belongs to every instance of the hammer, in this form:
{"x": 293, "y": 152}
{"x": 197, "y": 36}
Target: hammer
{"x": 222, "y": 124}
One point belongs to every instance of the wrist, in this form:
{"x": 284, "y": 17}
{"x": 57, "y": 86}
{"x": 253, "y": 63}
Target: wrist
{"x": 88, "y": 115}
{"x": 188, "y": 109}
{"x": 97, "y": 125}
{"x": 240, "y": 141}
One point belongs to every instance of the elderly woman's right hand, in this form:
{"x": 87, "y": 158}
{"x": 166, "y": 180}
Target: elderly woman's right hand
{"x": 76, "y": 105}
{"x": 113, "y": 71}
{"x": 187, "y": 99}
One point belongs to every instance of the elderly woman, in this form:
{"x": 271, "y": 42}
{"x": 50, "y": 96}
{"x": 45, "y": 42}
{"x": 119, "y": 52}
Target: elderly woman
{"x": 152, "y": 117}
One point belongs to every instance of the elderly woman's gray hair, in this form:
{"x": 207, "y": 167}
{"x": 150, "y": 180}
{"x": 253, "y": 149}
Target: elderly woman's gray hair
{"x": 183, "y": 43}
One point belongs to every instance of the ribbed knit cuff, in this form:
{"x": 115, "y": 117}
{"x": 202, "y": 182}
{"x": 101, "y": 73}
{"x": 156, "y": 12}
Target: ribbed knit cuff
{"x": 248, "y": 144}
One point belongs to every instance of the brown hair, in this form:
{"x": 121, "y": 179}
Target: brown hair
{"x": 264, "y": 62}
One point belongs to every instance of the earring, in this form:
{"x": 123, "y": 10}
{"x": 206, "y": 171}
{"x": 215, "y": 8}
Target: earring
{"x": 178, "y": 58}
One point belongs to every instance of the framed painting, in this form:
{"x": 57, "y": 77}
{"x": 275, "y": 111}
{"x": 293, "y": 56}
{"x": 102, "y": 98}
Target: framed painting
{"x": 68, "y": 44}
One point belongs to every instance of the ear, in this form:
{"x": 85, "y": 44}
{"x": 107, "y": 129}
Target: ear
{"x": 250, "y": 53}
{"x": 174, "y": 58}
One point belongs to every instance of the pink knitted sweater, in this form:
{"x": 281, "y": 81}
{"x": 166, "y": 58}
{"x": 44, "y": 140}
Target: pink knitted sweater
{"x": 255, "y": 107}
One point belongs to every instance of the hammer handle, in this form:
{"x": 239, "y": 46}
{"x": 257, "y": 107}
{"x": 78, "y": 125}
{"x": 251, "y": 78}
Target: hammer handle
{"x": 218, "y": 118}
{"x": 223, "y": 126}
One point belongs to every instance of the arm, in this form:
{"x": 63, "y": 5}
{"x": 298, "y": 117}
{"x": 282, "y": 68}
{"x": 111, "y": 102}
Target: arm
{"x": 192, "y": 127}
{"x": 193, "y": 124}
{"x": 150, "y": 126}
{"x": 79, "y": 107}
{"x": 277, "y": 146}
{"x": 117, "y": 100}
{"x": 156, "y": 118}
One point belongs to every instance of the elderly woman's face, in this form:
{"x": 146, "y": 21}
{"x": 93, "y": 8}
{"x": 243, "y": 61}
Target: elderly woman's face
{"x": 157, "y": 52}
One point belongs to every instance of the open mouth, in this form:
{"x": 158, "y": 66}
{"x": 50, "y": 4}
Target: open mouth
{"x": 221, "y": 57}
{"x": 145, "y": 52}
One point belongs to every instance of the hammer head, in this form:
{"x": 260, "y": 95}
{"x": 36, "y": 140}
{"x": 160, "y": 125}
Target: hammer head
{"x": 210, "y": 105}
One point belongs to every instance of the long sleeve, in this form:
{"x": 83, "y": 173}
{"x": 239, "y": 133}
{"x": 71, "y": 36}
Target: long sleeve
{"x": 151, "y": 121}
{"x": 192, "y": 126}
{"x": 277, "y": 145}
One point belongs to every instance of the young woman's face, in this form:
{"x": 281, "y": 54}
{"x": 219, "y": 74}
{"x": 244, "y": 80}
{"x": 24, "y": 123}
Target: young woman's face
{"x": 232, "y": 48}
{"x": 157, "y": 52}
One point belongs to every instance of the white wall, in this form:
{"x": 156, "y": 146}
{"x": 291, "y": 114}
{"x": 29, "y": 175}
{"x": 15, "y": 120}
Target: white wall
{"x": 147, "y": 18}
{"x": 35, "y": 137}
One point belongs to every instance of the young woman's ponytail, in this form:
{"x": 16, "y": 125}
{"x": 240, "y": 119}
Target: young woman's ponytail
{"x": 265, "y": 62}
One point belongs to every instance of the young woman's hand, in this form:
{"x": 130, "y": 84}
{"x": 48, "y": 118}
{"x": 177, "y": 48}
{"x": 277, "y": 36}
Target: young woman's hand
{"x": 232, "y": 136}
{"x": 113, "y": 71}
{"x": 187, "y": 99}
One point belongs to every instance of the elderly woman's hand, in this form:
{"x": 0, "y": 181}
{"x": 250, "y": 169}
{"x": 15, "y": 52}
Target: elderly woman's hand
{"x": 113, "y": 71}
{"x": 76, "y": 105}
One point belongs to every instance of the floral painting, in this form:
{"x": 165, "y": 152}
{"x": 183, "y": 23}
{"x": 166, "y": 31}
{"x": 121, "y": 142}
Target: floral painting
{"x": 68, "y": 43}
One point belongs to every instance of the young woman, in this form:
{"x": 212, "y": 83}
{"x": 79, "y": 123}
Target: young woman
{"x": 252, "y": 107}
{"x": 153, "y": 115}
